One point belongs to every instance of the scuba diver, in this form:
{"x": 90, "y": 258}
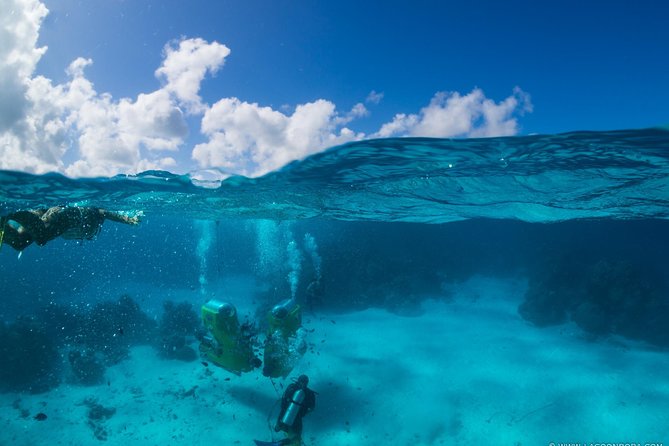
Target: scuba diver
{"x": 20, "y": 229}
{"x": 297, "y": 401}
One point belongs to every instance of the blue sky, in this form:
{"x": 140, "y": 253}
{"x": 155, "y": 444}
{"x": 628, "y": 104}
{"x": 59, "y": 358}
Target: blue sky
{"x": 574, "y": 66}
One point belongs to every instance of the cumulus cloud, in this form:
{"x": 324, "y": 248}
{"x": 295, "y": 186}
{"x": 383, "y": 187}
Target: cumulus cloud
{"x": 19, "y": 29}
{"x": 186, "y": 64}
{"x": 358, "y": 111}
{"x": 111, "y": 135}
{"x": 43, "y": 124}
{"x": 152, "y": 120}
{"x": 40, "y": 122}
{"x": 373, "y": 97}
{"x": 454, "y": 115}
{"x": 252, "y": 140}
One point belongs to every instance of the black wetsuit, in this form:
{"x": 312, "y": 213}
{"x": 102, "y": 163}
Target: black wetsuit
{"x": 308, "y": 404}
{"x": 43, "y": 225}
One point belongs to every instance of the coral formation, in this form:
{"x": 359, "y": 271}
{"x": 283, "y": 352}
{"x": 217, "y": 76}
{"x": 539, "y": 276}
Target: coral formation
{"x": 30, "y": 359}
{"x": 552, "y": 291}
{"x": 62, "y": 323}
{"x": 112, "y": 327}
{"x": 178, "y": 323}
{"x": 605, "y": 297}
{"x": 90, "y": 341}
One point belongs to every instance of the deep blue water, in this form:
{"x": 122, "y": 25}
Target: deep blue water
{"x": 581, "y": 217}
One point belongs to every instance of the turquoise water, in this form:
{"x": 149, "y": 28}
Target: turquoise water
{"x": 616, "y": 175}
{"x": 444, "y": 285}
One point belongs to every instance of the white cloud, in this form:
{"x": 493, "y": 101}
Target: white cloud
{"x": 373, "y": 97}
{"x": 358, "y": 111}
{"x": 42, "y": 125}
{"x": 454, "y": 115}
{"x": 111, "y": 134}
{"x": 40, "y": 122}
{"x": 250, "y": 139}
{"x": 153, "y": 120}
{"x": 185, "y": 67}
{"x": 19, "y": 29}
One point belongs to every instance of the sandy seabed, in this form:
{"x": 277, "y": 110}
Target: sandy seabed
{"x": 466, "y": 371}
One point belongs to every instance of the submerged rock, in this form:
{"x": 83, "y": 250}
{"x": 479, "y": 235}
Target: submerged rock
{"x": 30, "y": 359}
{"x": 178, "y": 323}
{"x": 112, "y": 327}
{"x": 602, "y": 297}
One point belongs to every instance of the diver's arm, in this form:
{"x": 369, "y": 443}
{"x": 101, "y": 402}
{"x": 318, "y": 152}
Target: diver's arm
{"x": 118, "y": 217}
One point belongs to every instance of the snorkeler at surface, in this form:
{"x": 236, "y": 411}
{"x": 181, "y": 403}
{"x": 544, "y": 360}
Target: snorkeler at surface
{"x": 20, "y": 229}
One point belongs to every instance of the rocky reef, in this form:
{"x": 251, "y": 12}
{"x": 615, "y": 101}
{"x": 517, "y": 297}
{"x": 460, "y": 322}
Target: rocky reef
{"x": 607, "y": 296}
{"x": 30, "y": 358}
{"x": 177, "y": 326}
{"x": 65, "y": 342}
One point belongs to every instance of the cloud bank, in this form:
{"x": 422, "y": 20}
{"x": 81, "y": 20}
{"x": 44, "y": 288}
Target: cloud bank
{"x": 42, "y": 125}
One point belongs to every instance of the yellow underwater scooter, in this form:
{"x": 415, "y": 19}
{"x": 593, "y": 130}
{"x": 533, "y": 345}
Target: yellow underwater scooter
{"x": 285, "y": 343}
{"x": 226, "y": 345}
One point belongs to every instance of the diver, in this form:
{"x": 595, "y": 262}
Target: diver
{"x": 20, "y": 229}
{"x": 297, "y": 401}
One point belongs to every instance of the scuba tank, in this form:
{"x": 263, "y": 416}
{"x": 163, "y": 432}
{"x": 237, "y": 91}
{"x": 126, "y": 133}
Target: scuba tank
{"x": 289, "y": 416}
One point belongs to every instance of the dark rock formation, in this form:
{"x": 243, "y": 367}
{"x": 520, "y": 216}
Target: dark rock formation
{"x": 178, "y": 324}
{"x": 30, "y": 359}
{"x": 604, "y": 297}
